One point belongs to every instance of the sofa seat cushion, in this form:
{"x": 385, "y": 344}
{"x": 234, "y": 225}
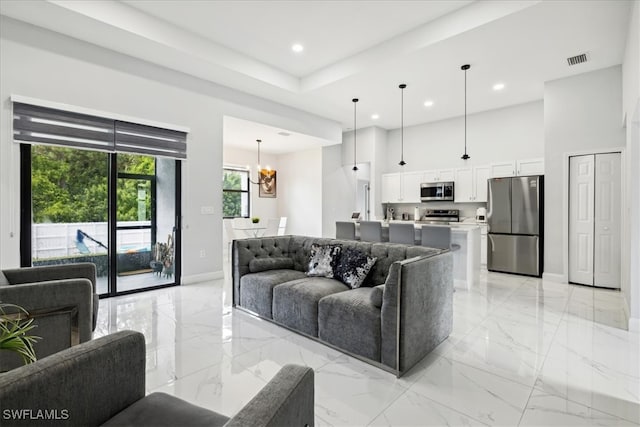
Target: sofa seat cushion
{"x": 295, "y": 304}
{"x": 351, "y": 321}
{"x": 256, "y": 289}
{"x": 161, "y": 409}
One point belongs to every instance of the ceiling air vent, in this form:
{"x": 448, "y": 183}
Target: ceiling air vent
{"x": 578, "y": 59}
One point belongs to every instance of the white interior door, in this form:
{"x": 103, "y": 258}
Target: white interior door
{"x": 581, "y": 218}
{"x": 606, "y": 244}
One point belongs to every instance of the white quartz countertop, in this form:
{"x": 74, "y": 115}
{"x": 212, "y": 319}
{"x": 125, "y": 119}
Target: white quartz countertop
{"x": 456, "y": 227}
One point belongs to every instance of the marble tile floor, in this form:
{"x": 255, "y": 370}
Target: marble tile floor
{"x": 523, "y": 351}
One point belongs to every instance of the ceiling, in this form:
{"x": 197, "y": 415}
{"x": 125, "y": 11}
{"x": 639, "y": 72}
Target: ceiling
{"x": 360, "y": 49}
{"x": 243, "y": 134}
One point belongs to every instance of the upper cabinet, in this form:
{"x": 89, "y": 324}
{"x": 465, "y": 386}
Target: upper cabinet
{"x": 390, "y": 192}
{"x": 411, "y": 186}
{"x": 436, "y": 175}
{"x": 530, "y": 167}
{"x": 401, "y": 187}
{"x": 471, "y": 184}
{"x": 518, "y": 168}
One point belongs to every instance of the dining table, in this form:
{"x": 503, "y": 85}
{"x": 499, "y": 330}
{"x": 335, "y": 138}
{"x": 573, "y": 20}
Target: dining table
{"x": 251, "y": 230}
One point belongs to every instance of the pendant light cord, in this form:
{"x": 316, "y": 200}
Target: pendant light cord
{"x": 465, "y": 67}
{"x": 402, "y": 162}
{"x": 355, "y": 130}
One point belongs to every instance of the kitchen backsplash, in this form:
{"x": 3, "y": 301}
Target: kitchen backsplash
{"x": 467, "y": 210}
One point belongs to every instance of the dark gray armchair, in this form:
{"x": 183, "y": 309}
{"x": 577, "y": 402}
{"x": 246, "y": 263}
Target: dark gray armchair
{"x": 102, "y": 382}
{"x": 61, "y": 299}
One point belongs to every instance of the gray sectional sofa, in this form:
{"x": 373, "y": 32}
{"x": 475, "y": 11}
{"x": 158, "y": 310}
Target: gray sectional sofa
{"x": 403, "y": 310}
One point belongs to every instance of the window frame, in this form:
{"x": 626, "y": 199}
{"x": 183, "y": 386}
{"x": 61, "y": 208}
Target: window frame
{"x": 248, "y": 190}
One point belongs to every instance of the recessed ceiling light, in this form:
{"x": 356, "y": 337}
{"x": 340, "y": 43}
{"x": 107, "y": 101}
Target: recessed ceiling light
{"x": 283, "y": 133}
{"x": 375, "y": 116}
{"x": 498, "y": 86}
{"x": 428, "y": 103}
{"x": 297, "y": 47}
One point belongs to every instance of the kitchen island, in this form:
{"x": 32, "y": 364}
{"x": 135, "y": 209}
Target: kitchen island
{"x": 465, "y": 247}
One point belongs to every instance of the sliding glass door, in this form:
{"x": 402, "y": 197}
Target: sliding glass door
{"x": 118, "y": 211}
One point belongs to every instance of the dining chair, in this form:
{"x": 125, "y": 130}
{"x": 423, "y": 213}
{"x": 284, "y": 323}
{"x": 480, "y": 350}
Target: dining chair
{"x": 283, "y": 226}
{"x": 345, "y": 230}
{"x": 370, "y": 231}
{"x": 436, "y": 236}
{"x": 231, "y": 233}
{"x": 272, "y": 227}
{"x": 402, "y": 233}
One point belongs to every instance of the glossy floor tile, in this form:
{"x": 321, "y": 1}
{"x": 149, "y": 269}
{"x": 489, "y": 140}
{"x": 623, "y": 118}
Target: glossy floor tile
{"x": 523, "y": 351}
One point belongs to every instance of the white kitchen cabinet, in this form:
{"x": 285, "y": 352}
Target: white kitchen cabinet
{"x": 522, "y": 167}
{"x": 530, "y": 167}
{"x": 471, "y": 184}
{"x": 480, "y": 176}
{"x": 401, "y": 187}
{"x": 436, "y": 175}
{"x": 410, "y": 186}
{"x": 502, "y": 169}
{"x": 391, "y": 190}
{"x": 463, "y": 189}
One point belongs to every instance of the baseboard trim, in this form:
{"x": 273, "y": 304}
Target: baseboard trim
{"x": 204, "y": 277}
{"x": 555, "y": 277}
{"x": 634, "y": 324}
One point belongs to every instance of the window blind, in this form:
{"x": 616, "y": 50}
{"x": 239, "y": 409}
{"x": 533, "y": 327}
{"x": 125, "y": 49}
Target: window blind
{"x": 142, "y": 139}
{"x": 34, "y": 124}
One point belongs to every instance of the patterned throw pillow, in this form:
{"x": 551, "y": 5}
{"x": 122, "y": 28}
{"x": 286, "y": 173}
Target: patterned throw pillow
{"x": 323, "y": 259}
{"x": 353, "y": 267}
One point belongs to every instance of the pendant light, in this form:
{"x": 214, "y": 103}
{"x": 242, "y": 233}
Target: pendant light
{"x": 464, "y": 68}
{"x": 402, "y": 87}
{"x": 355, "y": 101}
{"x": 265, "y": 172}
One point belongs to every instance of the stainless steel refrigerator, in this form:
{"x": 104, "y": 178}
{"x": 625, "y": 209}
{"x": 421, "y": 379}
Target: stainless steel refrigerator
{"x": 515, "y": 216}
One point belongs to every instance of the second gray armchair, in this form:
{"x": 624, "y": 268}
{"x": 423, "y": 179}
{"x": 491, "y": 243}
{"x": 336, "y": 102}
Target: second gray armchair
{"x": 61, "y": 298}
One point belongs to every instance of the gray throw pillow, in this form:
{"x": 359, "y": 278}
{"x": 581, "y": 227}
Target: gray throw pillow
{"x": 323, "y": 259}
{"x": 3, "y": 279}
{"x": 353, "y": 267}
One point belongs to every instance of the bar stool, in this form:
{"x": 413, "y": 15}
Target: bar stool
{"x": 436, "y": 236}
{"x": 402, "y": 233}
{"x": 345, "y": 230}
{"x": 370, "y": 231}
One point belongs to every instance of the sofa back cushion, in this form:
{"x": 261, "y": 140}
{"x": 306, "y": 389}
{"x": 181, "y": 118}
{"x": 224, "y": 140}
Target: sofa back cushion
{"x": 256, "y": 265}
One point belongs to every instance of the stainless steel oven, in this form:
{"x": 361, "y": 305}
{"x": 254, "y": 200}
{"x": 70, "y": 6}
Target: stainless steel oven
{"x": 436, "y": 191}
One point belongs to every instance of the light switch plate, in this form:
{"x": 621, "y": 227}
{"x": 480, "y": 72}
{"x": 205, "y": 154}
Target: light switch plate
{"x": 207, "y": 210}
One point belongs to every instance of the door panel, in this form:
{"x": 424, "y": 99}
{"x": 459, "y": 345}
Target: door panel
{"x": 607, "y": 221}
{"x": 499, "y": 205}
{"x": 513, "y": 254}
{"x": 524, "y": 206}
{"x": 581, "y": 221}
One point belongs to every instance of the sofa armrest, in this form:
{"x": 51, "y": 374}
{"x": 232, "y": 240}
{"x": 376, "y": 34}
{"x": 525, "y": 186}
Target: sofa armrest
{"x": 417, "y": 309}
{"x": 81, "y": 270}
{"x": 46, "y": 297}
{"x": 287, "y": 400}
{"x": 62, "y": 312}
{"x": 85, "y": 385}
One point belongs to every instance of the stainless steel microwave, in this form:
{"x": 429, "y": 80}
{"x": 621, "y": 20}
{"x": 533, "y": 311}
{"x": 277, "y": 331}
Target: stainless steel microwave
{"x": 436, "y": 191}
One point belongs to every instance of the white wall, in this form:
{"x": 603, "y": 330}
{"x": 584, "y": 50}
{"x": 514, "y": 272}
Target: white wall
{"x": 505, "y": 134}
{"x": 42, "y": 64}
{"x": 338, "y": 189}
{"x": 631, "y": 111}
{"x": 300, "y": 191}
{"x": 581, "y": 113}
